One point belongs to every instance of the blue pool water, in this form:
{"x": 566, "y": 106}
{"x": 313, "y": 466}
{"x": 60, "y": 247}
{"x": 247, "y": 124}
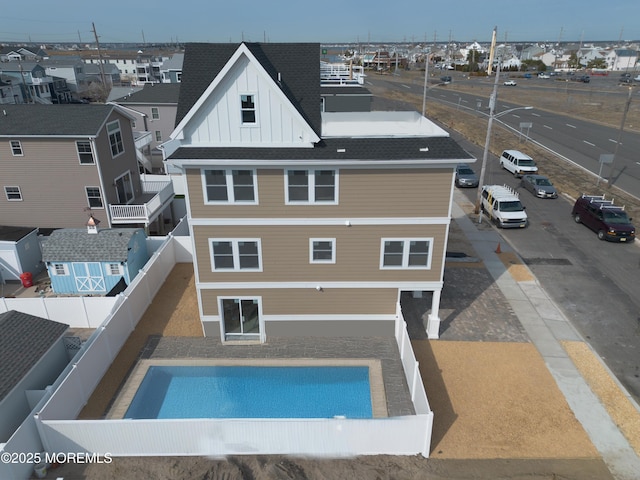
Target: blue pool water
{"x": 252, "y": 392}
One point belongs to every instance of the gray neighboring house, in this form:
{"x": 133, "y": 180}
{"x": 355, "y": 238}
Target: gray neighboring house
{"x": 154, "y": 108}
{"x": 69, "y": 67}
{"x": 171, "y": 69}
{"x": 32, "y": 355}
{"x": 63, "y": 162}
{"x": 31, "y": 78}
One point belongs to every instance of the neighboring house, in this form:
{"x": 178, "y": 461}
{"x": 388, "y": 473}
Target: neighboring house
{"x": 532, "y": 52}
{"x": 60, "y": 162}
{"x": 31, "y": 78}
{"x": 69, "y": 67}
{"x": 11, "y": 54}
{"x": 19, "y": 252}
{"x": 171, "y": 69}
{"x": 154, "y": 108}
{"x": 93, "y": 260}
{"x": 95, "y": 74}
{"x": 31, "y": 358}
{"x": 303, "y": 222}
{"x": 621, "y": 59}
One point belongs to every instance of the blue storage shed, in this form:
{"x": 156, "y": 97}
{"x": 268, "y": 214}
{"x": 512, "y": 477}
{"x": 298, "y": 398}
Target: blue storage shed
{"x": 92, "y": 261}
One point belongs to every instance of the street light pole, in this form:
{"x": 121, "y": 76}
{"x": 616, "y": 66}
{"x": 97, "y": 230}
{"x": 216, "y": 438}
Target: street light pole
{"x": 615, "y": 150}
{"x": 492, "y": 106}
{"x": 426, "y": 77}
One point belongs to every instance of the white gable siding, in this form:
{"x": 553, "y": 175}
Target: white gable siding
{"x": 218, "y": 122}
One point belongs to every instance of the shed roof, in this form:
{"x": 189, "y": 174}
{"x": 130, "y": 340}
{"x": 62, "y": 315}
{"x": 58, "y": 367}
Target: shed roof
{"x": 24, "y": 339}
{"x": 76, "y": 245}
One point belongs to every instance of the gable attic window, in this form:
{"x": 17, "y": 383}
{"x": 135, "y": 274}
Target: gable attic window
{"x": 248, "y": 109}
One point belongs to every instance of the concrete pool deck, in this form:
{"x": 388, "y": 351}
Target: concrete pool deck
{"x": 376, "y": 382}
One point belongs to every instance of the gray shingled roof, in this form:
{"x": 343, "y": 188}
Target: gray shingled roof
{"x": 440, "y": 148}
{"x": 76, "y": 245}
{"x": 156, "y": 94}
{"x": 24, "y": 339}
{"x": 297, "y": 63}
{"x": 24, "y": 120}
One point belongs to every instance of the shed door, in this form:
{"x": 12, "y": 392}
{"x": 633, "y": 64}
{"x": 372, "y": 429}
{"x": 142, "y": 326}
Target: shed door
{"x": 88, "y": 277}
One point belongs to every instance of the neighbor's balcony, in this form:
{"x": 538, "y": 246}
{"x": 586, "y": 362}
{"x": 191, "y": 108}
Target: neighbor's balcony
{"x": 156, "y": 195}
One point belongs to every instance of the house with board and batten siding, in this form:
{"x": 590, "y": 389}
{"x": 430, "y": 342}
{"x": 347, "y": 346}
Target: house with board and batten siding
{"x": 303, "y": 222}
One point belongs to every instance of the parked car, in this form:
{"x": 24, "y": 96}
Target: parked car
{"x": 518, "y": 163}
{"x": 527, "y": 75}
{"x": 580, "y": 78}
{"x": 465, "y": 176}
{"x": 637, "y": 79}
{"x": 502, "y": 205}
{"x": 539, "y": 185}
{"x": 510, "y": 83}
{"x": 609, "y": 221}
{"x": 446, "y": 79}
{"x": 543, "y": 75}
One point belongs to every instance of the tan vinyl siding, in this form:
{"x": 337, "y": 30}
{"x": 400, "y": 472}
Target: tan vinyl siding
{"x": 52, "y": 182}
{"x": 285, "y": 253}
{"x": 308, "y": 301}
{"x": 415, "y": 192}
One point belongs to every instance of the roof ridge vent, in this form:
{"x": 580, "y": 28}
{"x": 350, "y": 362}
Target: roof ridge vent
{"x": 341, "y": 150}
{"x": 424, "y": 149}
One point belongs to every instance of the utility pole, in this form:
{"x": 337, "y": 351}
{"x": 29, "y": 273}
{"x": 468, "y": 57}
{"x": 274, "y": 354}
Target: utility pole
{"x": 79, "y": 37}
{"x": 102, "y": 76}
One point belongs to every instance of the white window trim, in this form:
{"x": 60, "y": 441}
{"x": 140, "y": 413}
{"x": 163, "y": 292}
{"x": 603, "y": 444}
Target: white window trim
{"x": 236, "y": 254}
{"x": 54, "y": 271}
{"x": 119, "y": 129}
{"x": 405, "y": 253}
{"x": 93, "y": 159}
{"x": 333, "y": 250}
{"x": 87, "y": 195}
{"x": 155, "y": 113}
{"x": 19, "y": 146}
{"x": 19, "y": 192}
{"x": 311, "y": 187}
{"x": 229, "y": 183}
{"x": 255, "y": 110}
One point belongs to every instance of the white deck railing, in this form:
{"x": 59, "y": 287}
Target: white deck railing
{"x": 145, "y": 212}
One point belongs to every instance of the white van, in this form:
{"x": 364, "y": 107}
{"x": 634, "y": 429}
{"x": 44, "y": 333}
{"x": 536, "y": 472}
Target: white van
{"x": 502, "y": 205}
{"x": 517, "y": 162}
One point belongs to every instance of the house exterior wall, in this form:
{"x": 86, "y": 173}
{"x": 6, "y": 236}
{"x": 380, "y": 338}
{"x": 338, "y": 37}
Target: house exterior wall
{"x": 356, "y": 296}
{"x": 369, "y": 192}
{"x": 138, "y": 256}
{"x": 52, "y": 183}
{"x": 21, "y": 256}
{"x": 111, "y": 168}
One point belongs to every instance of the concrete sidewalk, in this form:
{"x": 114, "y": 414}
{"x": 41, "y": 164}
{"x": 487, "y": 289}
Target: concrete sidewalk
{"x": 548, "y": 328}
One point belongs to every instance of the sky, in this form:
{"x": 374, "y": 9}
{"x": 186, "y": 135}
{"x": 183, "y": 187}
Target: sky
{"x": 325, "y": 21}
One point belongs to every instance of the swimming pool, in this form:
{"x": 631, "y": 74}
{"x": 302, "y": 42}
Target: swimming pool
{"x": 171, "y": 391}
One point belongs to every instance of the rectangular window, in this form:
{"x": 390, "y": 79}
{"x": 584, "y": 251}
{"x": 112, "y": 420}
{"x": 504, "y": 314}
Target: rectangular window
{"x": 230, "y": 186}
{"x": 248, "y": 108}
{"x": 94, "y": 199}
{"x": 59, "y": 269}
{"x": 16, "y": 148}
{"x": 85, "y": 154}
{"x": 114, "y": 269}
{"x": 13, "y": 194}
{"x": 311, "y": 186}
{"x": 155, "y": 113}
{"x": 397, "y": 253}
{"x": 235, "y": 255}
{"x": 115, "y": 138}
{"x": 158, "y": 136}
{"x": 322, "y": 250}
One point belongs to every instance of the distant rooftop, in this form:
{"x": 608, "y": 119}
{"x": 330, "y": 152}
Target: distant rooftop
{"x": 378, "y": 124}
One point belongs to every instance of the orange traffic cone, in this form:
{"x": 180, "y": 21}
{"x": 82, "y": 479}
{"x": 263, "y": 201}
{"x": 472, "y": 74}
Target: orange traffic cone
{"x": 498, "y": 249}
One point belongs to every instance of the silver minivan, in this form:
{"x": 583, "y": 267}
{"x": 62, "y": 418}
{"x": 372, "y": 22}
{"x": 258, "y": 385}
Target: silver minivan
{"x": 517, "y": 163}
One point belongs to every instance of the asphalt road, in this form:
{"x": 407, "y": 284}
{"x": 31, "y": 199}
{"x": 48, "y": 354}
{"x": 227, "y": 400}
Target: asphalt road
{"x": 595, "y": 283}
{"x": 576, "y": 140}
